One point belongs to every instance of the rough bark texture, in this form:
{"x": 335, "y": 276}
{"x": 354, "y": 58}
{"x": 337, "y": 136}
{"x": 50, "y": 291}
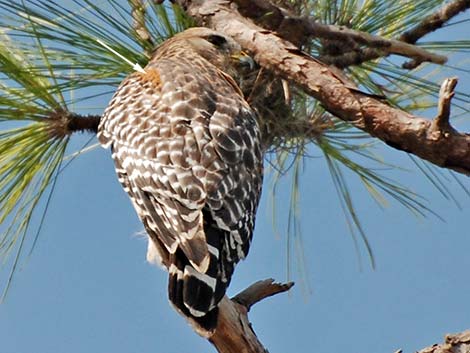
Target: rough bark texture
{"x": 62, "y": 123}
{"x": 234, "y": 333}
{"x": 397, "y": 128}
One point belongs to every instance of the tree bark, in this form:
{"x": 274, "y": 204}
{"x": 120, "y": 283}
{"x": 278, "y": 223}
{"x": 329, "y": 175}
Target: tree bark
{"x": 63, "y": 123}
{"x": 403, "y": 131}
{"x": 234, "y": 333}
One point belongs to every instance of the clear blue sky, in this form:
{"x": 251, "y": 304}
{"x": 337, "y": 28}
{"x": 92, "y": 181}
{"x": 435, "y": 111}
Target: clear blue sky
{"x": 87, "y": 287}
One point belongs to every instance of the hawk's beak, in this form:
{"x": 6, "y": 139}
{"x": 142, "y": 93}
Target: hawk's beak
{"x": 244, "y": 59}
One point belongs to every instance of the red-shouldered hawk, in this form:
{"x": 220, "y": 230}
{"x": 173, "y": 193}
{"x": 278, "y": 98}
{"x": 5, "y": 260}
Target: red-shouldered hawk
{"x": 187, "y": 150}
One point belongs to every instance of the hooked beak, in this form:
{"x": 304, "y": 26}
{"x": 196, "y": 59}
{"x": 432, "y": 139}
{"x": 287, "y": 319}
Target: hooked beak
{"x": 244, "y": 59}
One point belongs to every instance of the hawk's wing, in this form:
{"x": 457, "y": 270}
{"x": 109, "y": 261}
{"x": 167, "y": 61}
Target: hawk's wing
{"x": 188, "y": 147}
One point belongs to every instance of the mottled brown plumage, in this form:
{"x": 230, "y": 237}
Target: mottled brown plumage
{"x": 187, "y": 150}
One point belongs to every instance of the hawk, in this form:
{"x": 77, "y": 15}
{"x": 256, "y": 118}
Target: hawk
{"x": 187, "y": 150}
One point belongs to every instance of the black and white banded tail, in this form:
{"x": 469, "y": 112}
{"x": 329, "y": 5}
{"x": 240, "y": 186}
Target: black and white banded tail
{"x": 197, "y": 295}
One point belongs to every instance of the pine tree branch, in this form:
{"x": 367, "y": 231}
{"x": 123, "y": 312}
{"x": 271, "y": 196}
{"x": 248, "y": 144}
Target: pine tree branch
{"x": 298, "y": 29}
{"x": 259, "y": 291}
{"x": 234, "y": 333}
{"x": 387, "y": 46}
{"x": 395, "y": 127}
{"x": 432, "y": 23}
{"x": 429, "y": 24}
{"x": 64, "y": 123}
{"x": 435, "y": 20}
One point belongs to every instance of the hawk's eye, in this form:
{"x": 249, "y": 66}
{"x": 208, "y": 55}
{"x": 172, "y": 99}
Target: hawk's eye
{"x": 217, "y": 40}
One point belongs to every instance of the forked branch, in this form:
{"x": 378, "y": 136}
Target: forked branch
{"x": 234, "y": 333}
{"x": 298, "y": 29}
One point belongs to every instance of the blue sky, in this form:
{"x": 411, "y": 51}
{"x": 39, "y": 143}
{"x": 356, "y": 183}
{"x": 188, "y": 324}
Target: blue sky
{"x": 87, "y": 287}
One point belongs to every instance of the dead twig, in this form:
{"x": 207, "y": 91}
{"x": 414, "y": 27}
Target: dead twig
{"x": 259, "y": 291}
{"x": 441, "y": 123}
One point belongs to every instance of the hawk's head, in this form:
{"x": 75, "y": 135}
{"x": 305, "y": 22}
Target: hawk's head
{"x": 215, "y": 47}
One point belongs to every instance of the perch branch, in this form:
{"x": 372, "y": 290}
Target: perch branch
{"x": 234, "y": 333}
{"x": 393, "y": 126}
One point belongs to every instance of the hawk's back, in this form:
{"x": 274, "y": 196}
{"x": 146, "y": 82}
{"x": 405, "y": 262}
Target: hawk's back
{"x": 187, "y": 150}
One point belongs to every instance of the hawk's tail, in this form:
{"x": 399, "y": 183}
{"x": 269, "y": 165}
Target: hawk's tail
{"x": 192, "y": 293}
{"x": 197, "y": 295}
